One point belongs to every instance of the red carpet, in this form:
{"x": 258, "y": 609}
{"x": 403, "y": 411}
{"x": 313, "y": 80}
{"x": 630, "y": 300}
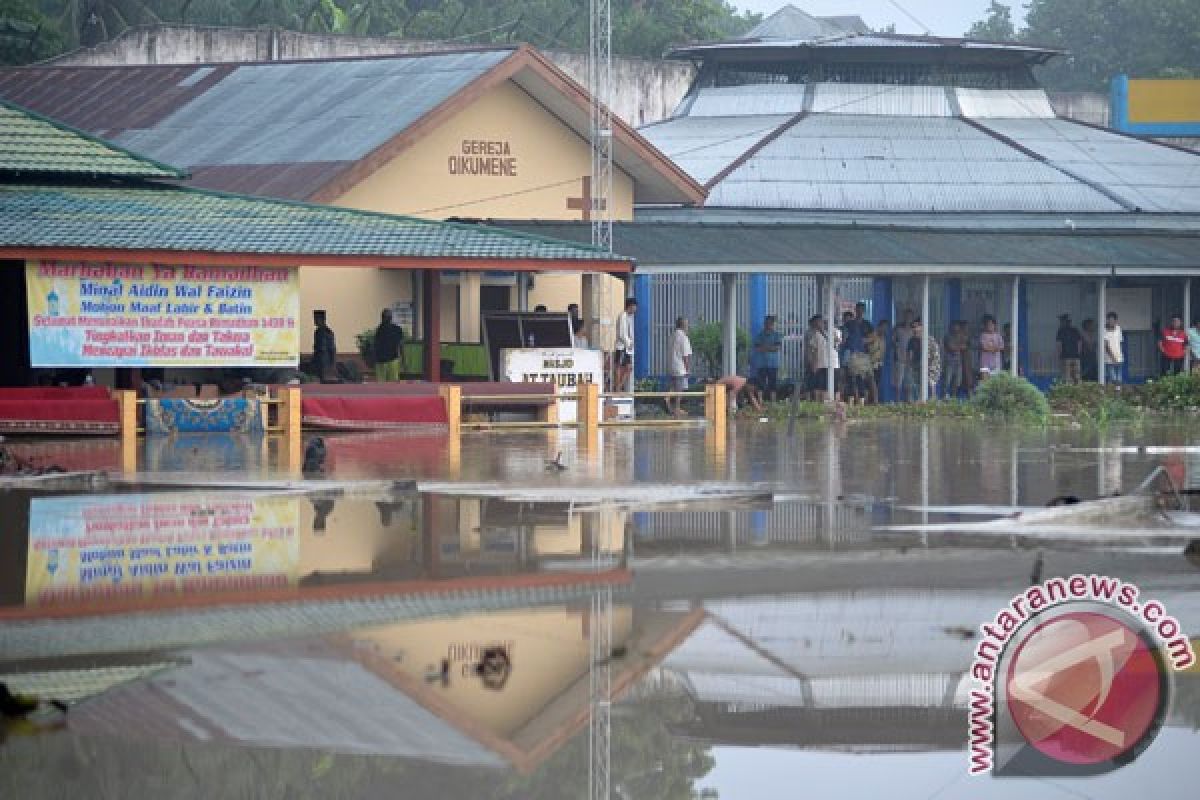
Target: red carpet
{"x": 367, "y": 412}
{"x": 80, "y": 409}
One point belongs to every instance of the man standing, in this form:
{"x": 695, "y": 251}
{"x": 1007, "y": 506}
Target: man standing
{"x": 1088, "y": 359}
{"x": 388, "y": 339}
{"x": 816, "y": 356}
{"x": 767, "y": 347}
{"x": 1173, "y": 346}
{"x": 681, "y": 365}
{"x": 324, "y": 349}
{"x": 623, "y": 346}
{"x": 935, "y": 357}
{"x": 1070, "y": 350}
{"x": 1114, "y": 353}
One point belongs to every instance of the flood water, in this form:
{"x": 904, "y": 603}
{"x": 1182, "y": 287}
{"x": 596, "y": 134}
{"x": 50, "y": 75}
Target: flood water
{"x": 792, "y": 616}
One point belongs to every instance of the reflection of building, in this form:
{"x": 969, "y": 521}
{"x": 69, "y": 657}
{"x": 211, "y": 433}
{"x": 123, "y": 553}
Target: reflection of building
{"x": 876, "y": 669}
{"x": 380, "y": 690}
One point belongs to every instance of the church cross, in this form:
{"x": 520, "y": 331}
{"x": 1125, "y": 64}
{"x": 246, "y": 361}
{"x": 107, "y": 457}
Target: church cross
{"x": 584, "y": 202}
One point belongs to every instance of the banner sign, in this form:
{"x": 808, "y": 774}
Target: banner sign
{"x": 142, "y": 315}
{"x": 565, "y": 367}
{"x": 132, "y": 545}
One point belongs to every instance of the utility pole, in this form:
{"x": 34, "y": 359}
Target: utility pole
{"x": 600, "y": 200}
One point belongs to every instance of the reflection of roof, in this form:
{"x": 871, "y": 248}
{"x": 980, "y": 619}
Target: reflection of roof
{"x": 310, "y": 130}
{"x": 170, "y": 219}
{"x": 298, "y": 695}
{"x": 872, "y": 729}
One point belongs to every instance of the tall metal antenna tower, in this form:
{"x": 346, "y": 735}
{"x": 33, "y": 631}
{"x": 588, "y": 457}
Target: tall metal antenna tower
{"x": 600, "y": 83}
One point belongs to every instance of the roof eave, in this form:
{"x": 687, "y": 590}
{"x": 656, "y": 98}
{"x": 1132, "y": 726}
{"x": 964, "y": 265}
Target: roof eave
{"x": 614, "y": 265}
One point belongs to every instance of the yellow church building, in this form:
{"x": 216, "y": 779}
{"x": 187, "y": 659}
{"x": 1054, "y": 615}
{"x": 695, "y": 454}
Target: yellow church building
{"x": 493, "y": 133}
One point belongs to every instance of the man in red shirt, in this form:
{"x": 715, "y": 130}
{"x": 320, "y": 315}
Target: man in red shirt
{"x": 1173, "y": 344}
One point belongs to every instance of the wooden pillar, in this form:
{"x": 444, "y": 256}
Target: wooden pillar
{"x": 290, "y": 419}
{"x": 452, "y": 396}
{"x": 716, "y": 408}
{"x": 587, "y": 411}
{"x": 431, "y": 318}
{"x": 469, "y": 288}
{"x": 127, "y": 419}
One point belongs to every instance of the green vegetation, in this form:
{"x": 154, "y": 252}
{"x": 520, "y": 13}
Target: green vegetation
{"x": 709, "y": 348}
{"x": 1142, "y": 38}
{"x": 1009, "y": 397}
{"x": 43, "y": 28}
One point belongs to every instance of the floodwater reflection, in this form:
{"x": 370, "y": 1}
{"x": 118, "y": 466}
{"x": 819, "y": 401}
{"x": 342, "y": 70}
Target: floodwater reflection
{"x": 426, "y": 643}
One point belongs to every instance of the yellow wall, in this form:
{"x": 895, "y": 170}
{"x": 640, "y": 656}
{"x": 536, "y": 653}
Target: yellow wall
{"x": 550, "y": 162}
{"x": 1153, "y": 101}
{"x": 549, "y": 649}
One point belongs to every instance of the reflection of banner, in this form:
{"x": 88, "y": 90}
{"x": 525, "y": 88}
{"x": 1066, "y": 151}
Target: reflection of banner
{"x": 98, "y": 315}
{"x": 90, "y": 546}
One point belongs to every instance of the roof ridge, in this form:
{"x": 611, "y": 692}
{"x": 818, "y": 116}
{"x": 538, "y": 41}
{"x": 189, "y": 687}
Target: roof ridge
{"x": 177, "y": 172}
{"x": 48, "y": 65}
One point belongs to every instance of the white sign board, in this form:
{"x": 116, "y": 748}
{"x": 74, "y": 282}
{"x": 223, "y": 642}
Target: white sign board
{"x": 565, "y": 367}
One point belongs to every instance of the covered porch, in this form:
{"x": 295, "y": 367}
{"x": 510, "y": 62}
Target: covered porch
{"x": 737, "y": 274}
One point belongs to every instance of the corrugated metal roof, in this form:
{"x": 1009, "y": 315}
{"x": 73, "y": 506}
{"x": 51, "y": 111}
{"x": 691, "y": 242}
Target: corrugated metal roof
{"x": 739, "y": 101}
{"x": 308, "y": 111}
{"x": 294, "y": 124}
{"x": 33, "y": 145}
{"x": 1149, "y": 176}
{"x": 658, "y": 244}
{"x": 703, "y": 146}
{"x": 188, "y": 220}
{"x": 878, "y": 163}
{"x": 790, "y": 22}
{"x": 1014, "y": 103}
{"x": 881, "y": 99}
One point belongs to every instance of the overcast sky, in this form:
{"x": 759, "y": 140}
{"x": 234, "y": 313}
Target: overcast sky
{"x": 943, "y": 17}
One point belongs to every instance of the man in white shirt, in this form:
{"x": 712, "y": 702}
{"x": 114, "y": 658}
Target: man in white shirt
{"x": 681, "y": 365}
{"x": 1114, "y": 351}
{"x": 623, "y": 347}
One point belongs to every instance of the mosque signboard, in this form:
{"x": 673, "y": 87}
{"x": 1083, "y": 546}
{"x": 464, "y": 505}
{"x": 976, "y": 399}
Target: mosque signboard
{"x": 87, "y": 314}
{"x": 565, "y": 367}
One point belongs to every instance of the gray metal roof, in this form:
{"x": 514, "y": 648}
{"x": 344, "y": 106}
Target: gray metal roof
{"x": 790, "y": 22}
{"x": 305, "y": 112}
{"x": 688, "y": 246}
{"x": 879, "y": 163}
{"x": 1148, "y": 176}
{"x": 703, "y": 146}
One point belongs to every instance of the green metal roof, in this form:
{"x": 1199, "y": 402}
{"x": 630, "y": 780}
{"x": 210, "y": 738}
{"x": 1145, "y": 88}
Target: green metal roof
{"x": 815, "y": 248}
{"x": 169, "y": 218}
{"x": 31, "y": 144}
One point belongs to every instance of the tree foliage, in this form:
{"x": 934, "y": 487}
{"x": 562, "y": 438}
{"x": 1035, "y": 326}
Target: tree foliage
{"x": 1142, "y": 38}
{"x": 640, "y": 27}
{"x": 996, "y": 26}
